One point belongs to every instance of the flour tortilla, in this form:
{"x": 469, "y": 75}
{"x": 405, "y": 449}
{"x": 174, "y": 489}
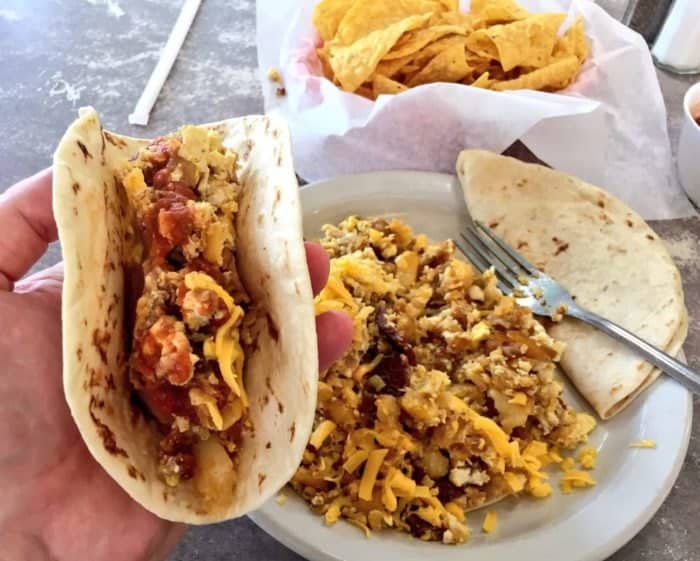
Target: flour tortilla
{"x": 280, "y": 373}
{"x": 598, "y": 248}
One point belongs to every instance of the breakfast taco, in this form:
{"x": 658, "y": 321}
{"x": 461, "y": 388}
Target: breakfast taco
{"x": 184, "y": 271}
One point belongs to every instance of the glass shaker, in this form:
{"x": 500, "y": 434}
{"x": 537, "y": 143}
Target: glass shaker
{"x": 646, "y": 17}
{"x": 677, "y": 46}
{"x": 672, "y": 29}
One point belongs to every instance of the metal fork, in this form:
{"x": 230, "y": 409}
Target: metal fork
{"x": 544, "y": 296}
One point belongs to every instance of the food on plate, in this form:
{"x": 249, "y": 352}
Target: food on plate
{"x": 643, "y": 444}
{"x": 188, "y": 322}
{"x": 611, "y": 261}
{"x": 377, "y": 47}
{"x": 447, "y": 400}
{"x": 490, "y": 522}
{"x": 274, "y": 75}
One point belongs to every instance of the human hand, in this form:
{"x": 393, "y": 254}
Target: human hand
{"x": 58, "y": 504}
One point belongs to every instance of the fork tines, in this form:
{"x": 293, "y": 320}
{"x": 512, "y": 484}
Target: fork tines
{"x": 485, "y": 249}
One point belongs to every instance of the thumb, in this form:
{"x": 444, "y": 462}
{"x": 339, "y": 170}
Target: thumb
{"x": 28, "y": 226}
{"x": 48, "y": 280}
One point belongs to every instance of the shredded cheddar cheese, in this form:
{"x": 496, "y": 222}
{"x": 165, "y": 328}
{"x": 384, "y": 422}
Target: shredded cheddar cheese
{"x": 455, "y": 510}
{"x": 643, "y": 444}
{"x": 227, "y": 347}
{"x": 322, "y": 432}
{"x": 575, "y": 479}
{"x": 519, "y": 398}
{"x": 355, "y": 461}
{"x": 490, "y": 522}
{"x": 369, "y": 477}
{"x": 198, "y": 397}
{"x": 587, "y": 458}
{"x": 516, "y": 481}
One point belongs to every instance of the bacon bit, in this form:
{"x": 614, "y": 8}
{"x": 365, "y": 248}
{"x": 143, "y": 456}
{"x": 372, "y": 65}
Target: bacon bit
{"x": 394, "y": 337}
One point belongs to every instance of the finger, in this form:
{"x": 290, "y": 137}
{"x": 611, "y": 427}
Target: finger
{"x": 48, "y": 280}
{"x": 28, "y": 226}
{"x": 334, "y": 334}
{"x": 319, "y": 265}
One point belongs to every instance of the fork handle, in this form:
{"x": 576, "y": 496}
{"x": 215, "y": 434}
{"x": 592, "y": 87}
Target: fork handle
{"x": 674, "y": 368}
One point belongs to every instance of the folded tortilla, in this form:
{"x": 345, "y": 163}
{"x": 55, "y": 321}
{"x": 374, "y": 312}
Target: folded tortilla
{"x": 100, "y": 241}
{"x": 602, "y": 251}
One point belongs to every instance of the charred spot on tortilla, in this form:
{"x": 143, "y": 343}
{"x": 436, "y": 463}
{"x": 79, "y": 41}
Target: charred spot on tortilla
{"x": 100, "y": 341}
{"x": 113, "y": 140}
{"x": 79, "y": 353}
{"x": 280, "y": 407}
{"x": 292, "y": 431}
{"x": 84, "y": 150}
{"x": 76, "y": 188}
{"x": 650, "y": 237}
{"x": 272, "y": 328}
{"x": 106, "y": 435}
{"x": 629, "y": 223}
{"x": 261, "y": 479}
{"x": 268, "y": 445}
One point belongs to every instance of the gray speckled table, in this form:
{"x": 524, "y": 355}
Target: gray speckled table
{"x": 56, "y": 55}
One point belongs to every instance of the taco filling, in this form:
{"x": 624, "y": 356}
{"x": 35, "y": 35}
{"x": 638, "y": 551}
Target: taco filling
{"x": 186, "y": 360}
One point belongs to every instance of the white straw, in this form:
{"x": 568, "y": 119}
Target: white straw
{"x": 142, "y": 111}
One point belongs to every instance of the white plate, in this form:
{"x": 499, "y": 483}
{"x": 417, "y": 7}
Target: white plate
{"x": 587, "y": 525}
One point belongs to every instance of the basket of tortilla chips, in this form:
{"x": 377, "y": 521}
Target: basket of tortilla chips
{"x": 371, "y": 85}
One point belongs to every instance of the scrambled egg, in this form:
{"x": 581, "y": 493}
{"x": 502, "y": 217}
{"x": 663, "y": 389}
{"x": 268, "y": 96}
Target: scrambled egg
{"x": 447, "y": 400}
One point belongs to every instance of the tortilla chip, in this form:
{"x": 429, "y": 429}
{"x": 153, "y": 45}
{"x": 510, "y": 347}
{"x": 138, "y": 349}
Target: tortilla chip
{"x": 390, "y": 68}
{"x": 450, "y": 5}
{"x": 573, "y": 42}
{"x": 488, "y": 12}
{"x": 482, "y": 45}
{"x": 367, "y": 16}
{"x": 382, "y": 85}
{"x": 325, "y": 63}
{"x": 452, "y": 18}
{"x": 430, "y": 51}
{"x": 415, "y": 40}
{"x": 556, "y": 76}
{"x": 353, "y": 64}
{"x": 327, "y": 16}
{"x": 528, "y": 42}
{"x": 448, "y": 66}
{"x": 483, "y": 81}
{"x": 365, "y": 91}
